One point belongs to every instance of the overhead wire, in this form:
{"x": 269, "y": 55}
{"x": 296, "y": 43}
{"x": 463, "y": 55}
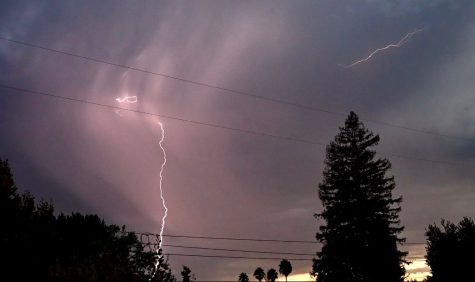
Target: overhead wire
{"x": 235, "y": 257}
{"x": 241, "y": 250}
{"x": 245, "y": 238}
{"x": 213, "y": 125}
{"x": 236, "y": 250}
{"x": 248, "y": 257}
{"x": 153, "y": 235}
{"x": 252, "y": 132}
{"x": 229, "y": 90}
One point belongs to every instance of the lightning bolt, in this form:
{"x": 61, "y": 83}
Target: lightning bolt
{"x": 160, "y": 143}
{"x": 133, "y": 99}
{"x": 127, "y": 99}
{"x": 401, "y": 42}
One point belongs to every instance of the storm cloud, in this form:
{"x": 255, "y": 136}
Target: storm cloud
{"x": 227, "y": 183}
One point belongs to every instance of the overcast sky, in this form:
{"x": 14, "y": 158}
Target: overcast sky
{"x": 226, "y": 183}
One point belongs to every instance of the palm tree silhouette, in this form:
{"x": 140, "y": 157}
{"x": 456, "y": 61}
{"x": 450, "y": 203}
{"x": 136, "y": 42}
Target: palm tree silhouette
{"x": 285, "y": 268}
{"x": 272, "y": 275}
{"x": 259, "y": 274}
{"x": 243, "y": 277}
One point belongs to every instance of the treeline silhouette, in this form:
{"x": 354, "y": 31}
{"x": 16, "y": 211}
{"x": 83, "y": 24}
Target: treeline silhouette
{"x": 37, "y": 245}
{"x": 285, "y": 268}
{"x": 451, "y": 251}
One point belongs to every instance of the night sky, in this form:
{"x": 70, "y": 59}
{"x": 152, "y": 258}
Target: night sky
{"x": 419, "y": 98}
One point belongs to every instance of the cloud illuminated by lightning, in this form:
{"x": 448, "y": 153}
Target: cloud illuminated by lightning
{"x": 401, "y": 42}
{"x": 127, "y": 99}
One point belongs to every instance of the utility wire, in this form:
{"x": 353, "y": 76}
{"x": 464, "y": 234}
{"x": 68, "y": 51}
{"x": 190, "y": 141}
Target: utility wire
{"x": 233, "y": 257}
{"x": 236, "y": 250}
{"x": 245, "y": 239}
{"x": 213, "y": 125}
{"x": 227, "y": 238}
{"x": 252, "y": 132}
{"x": 242, "y": 251}
{"x": 242, "y": 257}
{"x": 231, "y": 91}
{"x": 242, "y": 239}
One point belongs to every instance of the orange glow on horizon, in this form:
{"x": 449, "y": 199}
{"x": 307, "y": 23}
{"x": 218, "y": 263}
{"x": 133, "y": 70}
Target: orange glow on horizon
{"x": 418, "y": 264}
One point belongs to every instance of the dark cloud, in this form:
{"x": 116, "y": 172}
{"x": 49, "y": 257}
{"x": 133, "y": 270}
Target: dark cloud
{"x": 226, "y": 183}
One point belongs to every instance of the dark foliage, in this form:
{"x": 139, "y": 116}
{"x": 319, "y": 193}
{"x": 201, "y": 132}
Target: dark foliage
{"x": 285, "y": 268}
{"x": 450, "y": 251}
{"x": 186, "y": 274}
{"x": 37, "y": 245}
{"x": 272, "y": 275}
{"x": 259, "y": 274}
{"x": 360, "y": 236}
{"x": 243, "y": 277}
{"x": 163, "y": 273}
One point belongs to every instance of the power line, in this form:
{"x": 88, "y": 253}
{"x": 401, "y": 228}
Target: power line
{"x": 233, "y": 257}
{"x": 243, "y": 257}
{"x": 244, "y": 239}
{"x": 230, "y": 238}
{"x": 241, "y": 250}
{"x": 252, "y": 132}
{"x": 237, "y": 250}
{"x": 229, "y": 90}
{"x": 429, "y": 160}
{"x": 213, "y": 125}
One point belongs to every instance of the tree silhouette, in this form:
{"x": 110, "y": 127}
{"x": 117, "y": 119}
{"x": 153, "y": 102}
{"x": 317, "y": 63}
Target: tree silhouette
{"x": 259, "y": 274}
{"x": 88, "y": 248}
{"x": 450, "y": 250}
{"x": 163, "y": 272}
{"x": 186, "y": 274}
{"x": 285, "y": 268}
{"x": 243, "y": 277}
{"x": 360, "y": 236}
{"x": 272, "y": 275}
{"x": 37, "y": 245}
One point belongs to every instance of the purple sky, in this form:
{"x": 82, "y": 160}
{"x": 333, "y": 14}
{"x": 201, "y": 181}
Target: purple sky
{"x": 224, "y": 183}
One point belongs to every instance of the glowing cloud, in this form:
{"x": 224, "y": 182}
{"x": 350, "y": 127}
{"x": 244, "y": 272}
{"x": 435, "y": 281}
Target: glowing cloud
{"x": 127, "y": 99}
{"x": 302, "y": 277}
{"x": 401, "y": 42}
{"x": 418, "y": 270}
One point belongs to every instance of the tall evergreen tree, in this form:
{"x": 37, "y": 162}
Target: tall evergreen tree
{"x": 360, "y": 238}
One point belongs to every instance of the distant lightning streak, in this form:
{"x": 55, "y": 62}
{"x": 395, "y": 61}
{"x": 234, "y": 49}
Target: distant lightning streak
{"x": 401, "y": 42}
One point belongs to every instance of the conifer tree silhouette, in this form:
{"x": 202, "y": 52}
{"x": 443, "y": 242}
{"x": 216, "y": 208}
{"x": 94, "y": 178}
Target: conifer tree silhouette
{"x": 360, "y": 234}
